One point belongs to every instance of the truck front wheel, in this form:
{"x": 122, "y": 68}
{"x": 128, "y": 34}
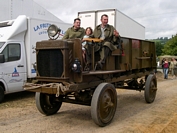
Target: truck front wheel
{"x": 1, "y": 94}
{"x": 103, "y": 104}
{"x": 46, "y": 104}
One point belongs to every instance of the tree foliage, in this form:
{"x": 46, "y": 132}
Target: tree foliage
{"x": 170, "y": 48}
{"x": 159, "y": 46}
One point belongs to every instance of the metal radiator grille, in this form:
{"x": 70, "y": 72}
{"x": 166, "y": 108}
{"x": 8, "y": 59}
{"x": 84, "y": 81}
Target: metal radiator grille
{"x": 50, "y": 63}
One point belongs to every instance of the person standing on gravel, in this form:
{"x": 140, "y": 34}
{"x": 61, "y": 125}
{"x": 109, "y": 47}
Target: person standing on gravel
{"x": 172, "y": 66}
{"x": 162, "y": 63}
{"x": 165, "y": 66}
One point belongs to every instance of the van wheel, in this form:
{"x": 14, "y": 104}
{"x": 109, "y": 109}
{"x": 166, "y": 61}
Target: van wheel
{"x": 103, "y": 104}
{"x": 46, "y": 104}
{"x": 1, "y": 94}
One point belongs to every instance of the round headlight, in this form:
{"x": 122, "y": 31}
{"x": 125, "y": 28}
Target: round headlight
{"x": 74, "y": 67}
{"x": 53, "y": 32}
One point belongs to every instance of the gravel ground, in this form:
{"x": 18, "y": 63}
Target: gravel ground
{"x": 20, "y": 115}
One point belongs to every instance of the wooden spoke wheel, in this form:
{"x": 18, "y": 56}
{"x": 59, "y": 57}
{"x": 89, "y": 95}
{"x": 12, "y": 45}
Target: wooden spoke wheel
{"x": 104, "y": 104}
{"x": 46, "y": 104}
{"x": 150, "y": 88}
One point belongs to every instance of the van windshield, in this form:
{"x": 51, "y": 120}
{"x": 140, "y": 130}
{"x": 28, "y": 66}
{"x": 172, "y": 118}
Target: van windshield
{"x": 1, "y": 44}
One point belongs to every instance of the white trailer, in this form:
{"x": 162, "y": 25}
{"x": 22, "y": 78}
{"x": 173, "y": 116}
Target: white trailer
{"x": 18, "y": 39}
{"x": 11, "y": 9}
{"x": 126, "y": 26}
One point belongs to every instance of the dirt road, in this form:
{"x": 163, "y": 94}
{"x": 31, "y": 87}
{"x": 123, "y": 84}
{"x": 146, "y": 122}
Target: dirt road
{"x": 20, "y": 115}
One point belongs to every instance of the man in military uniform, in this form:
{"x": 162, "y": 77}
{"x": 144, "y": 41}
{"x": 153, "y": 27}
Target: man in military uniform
{"x": 75, "y": 31}
{"x": 110, "y": 37}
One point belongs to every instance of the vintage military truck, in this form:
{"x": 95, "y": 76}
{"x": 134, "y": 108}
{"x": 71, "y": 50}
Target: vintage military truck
{"x": 61, "y": 76}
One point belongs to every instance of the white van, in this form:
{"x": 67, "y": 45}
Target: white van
{"x": 17, "y": 50}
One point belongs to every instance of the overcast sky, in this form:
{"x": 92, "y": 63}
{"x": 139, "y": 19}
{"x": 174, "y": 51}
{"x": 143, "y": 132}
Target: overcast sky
{"x": 158, "y": 16}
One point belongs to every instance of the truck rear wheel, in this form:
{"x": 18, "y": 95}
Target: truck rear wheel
{"x": 104, "y": 104}
{"x": 1, "y": 94}
{"x": 150, "y": 88}
{"x": 46, "y": 104}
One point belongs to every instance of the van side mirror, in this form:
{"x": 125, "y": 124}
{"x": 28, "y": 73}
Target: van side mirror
{"x": 2, "y": 59}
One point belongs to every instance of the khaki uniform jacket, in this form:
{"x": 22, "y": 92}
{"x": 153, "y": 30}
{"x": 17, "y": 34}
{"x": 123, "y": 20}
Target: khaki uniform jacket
{"x": 71, "y": 33}
{"x": 110, "y": 39}
{"x": 172, "y": 64}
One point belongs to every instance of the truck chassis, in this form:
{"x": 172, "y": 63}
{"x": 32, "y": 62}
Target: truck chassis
{"x": 130, "y": 67}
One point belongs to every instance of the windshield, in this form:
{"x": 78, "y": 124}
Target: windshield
{"x": 1, "y": 44}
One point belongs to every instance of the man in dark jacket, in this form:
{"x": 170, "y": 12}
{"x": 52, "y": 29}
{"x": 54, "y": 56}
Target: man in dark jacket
{"x": 110, "y": 37}
{"x": 75, "y": 31}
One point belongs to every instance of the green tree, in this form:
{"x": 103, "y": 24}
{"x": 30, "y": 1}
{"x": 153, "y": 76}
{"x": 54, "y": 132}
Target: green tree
{"x": 170, "y": 48}
{"x": 159, "y": 48}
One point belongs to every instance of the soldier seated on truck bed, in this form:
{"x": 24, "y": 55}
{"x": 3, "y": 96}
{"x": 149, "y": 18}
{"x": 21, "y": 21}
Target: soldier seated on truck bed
{"x": 75, "y": 31}
{"x": 110, "y": 37}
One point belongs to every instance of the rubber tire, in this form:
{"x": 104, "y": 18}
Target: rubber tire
{"x": 150, "y": 88}
{"x": 98, "y": 104}
{"x": 46, "y": 105}
{"x": 1, "y": 94}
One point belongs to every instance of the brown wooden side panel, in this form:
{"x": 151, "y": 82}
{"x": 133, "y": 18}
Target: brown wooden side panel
{"x": 136, "y": 48}
{"x": 146, "y": 52}
{"x": 153, "y": 54}
{"x": 77, "y": 54}
{"x": 68, "y": 60}
{"x": 125, "y": 58}
{"x": 110, "y": 63}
